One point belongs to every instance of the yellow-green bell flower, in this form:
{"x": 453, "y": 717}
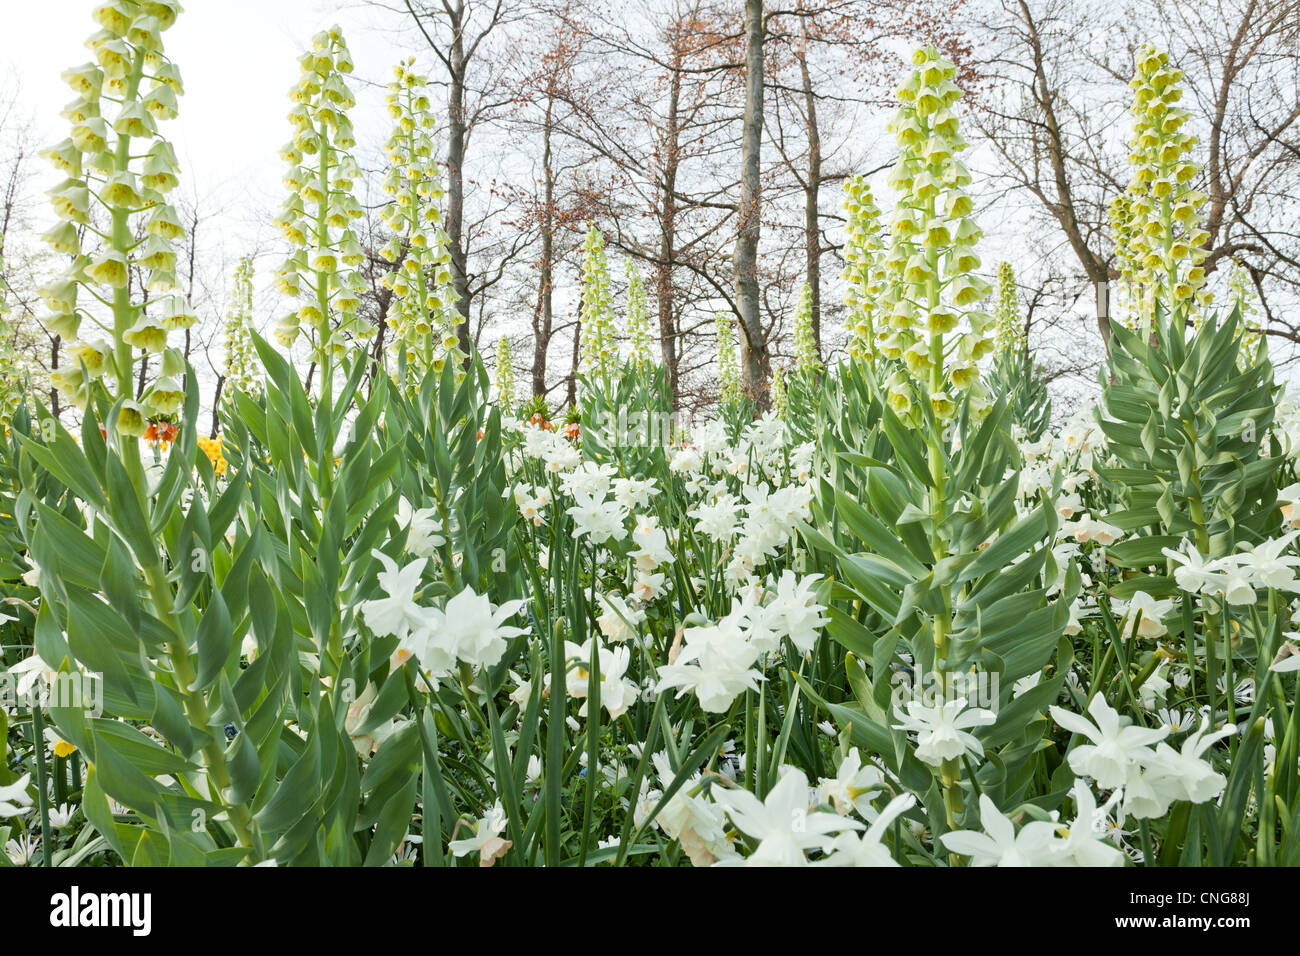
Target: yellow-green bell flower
{"x": 147, "y": 333}
{"x": 109, "y": 268}
{"x": 131, "y": 419}
{"x": 166, "y": 397}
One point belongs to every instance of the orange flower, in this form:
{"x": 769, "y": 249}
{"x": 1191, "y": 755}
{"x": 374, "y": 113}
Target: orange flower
{"x": 161, "y": 433}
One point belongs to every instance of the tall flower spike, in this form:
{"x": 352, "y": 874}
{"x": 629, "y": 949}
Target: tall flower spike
{"x": 729, "y": 385}
{"x": 12, "y": 386}
{"x": 933, "y": 324}
{"x": 1246, "y": 299}
{"x": 864, "y": 269}
{"x": 1160, "y": 236}
{"x": 598, "y": 345}
{"x": 638, "y": 319}
{"x": 505, "y": 376}
{"x": 241, "y": 368}
{"x": 116, "y": 163}
{"x": 1128, "y": 299}
{"x": 805, "y": 344}
{"x": 1011, "y": 330}
{"x": 316, "y": 217}
{"x": 423, "y": 314}
{"x": 780, "y": 397}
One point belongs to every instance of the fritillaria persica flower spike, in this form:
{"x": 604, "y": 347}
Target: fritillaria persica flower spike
{"x": 598, "y": 339}
{"x": 505, "y": 376}
{"x": 241, "y": 368}
{"x": 1160, "y": 237}
{"x": 729, "y": 385}
{"x": 863, "y": 271}
{"x": 316, "y": 217}
{"x": 423, "y": 313}
{"x": 638, "y": 319}
{"x": 805, "y": 344}
{"x": 118, "y": 300}
{"x": 932, "y": 320}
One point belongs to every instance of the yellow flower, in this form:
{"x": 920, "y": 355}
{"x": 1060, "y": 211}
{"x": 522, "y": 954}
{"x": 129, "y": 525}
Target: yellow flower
{"x": 212, "y": 448}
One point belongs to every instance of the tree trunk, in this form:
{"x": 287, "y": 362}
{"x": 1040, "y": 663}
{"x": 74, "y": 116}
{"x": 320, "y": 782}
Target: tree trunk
{"x": 216, "y": 407}
{"x": 572, "y": 396}
{"x": 545, "y": 317}
{"x": 664, "y": 296}
{"x": 1094, "y": 266}
{"x": 754, "y": 359}
{"x": 144, "y": 371}
{"x": 812, "y": 195}
{"x": 456, "y": 136}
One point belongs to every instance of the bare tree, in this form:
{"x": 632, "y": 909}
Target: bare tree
{"x": 455, "y": 30}
{"x": 1056, "y": 114}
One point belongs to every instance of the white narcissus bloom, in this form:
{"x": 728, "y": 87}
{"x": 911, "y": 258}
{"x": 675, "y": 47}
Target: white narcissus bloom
{"x": 1068, "y": 504}
{"x": 1287, "y": 659}
{"x": 1268, "y": 566}
{"x": 1039, "y": 842}
{"x": 1289, "y": 501}
{"x": 14, "y": 800}
{"x": 1000, "y": 844}
{"x": 782, "y": 824}
{"x": 719, "y": 519}
{"x": 398, "y": 613}
{"x": 1238, "y": 585}
{"x": 589, "y": 479}
{"x": 1144, "y": 798}
{"x": 647, "y": 587}
{"x": 695, "y": 822}
{"x": 716, "y": 662}
{"x": 1182, "y": 773}
{"x": 634, "y": 493}
{"x": 797, "y": 610}
{"x": 617, "y": 693}
{"x": 474, "y": 630}
{"x": 596, "y": 518}
{"x": 850, "y": 849}
{"x": 1154, "y": 688}
{"x": 651, "y": 544}
{"x": 1075, "y": 625}
{"x": 853, "y": 787}
{"x": 532, "y": 503}
{"x": 617, "y": 621}
{"x": 423, "y": 530}
{"x": 1116, "y": 745}
{"x": 29, "y": 671}
{"x": 711, "y": 437}
{"x": 646, "y": 801}
{"x": 1083, "y": 844}
{"x": 941, "y": 729}
{"x": 685, "y": 461}
{"x": 1150, "y": 611}
{"x": 1194, "y": 573}
{"x": 369, "y": 742}
{"x": 562, "y": 457}
{"x": 1088, "y": 529}
{"x": 486, "y": 841}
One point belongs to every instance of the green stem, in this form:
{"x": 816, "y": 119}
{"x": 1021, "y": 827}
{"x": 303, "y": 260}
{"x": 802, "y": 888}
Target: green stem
{"x": 42, "y": 794}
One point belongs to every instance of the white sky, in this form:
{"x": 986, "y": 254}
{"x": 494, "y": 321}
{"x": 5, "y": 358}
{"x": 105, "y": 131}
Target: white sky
{"x": 238, "y": 59}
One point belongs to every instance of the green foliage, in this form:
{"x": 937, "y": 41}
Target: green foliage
{"x": 1187, "y": 427}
